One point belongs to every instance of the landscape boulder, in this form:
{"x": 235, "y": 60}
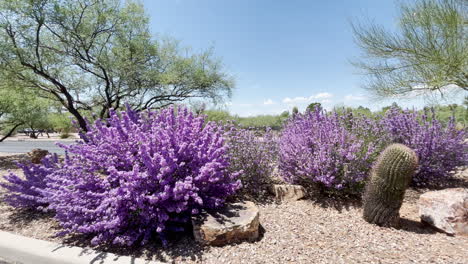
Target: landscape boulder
{"x": 446, "y": 210}
{"x": 233, "y": 223}
{"x": 37, "y": 155}
{"x": 288, "y": 192}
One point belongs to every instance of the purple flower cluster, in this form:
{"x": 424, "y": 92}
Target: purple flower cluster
{"x": 254, "y": 155}
{"x": 337, "y": 150}
{"x": 316, "y": 146}
{"x": 26, "y": 192}
{"x": 136, "y": 176}
{"x": 440, "y": 148}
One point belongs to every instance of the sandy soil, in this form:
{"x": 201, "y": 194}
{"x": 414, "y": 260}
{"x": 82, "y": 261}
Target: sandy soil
{"x": 317, "y": 230}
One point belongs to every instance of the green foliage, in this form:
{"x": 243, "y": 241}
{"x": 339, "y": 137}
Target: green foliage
{"x": 295, "y": 111}
{"x": 312, "y": 106}
{"x": 428, "y": 53}
{"x": 61, "y": 122}
{"x": 218, "y": 116}
{"x": 96, "y": 55}
{"x": 459, "y": 112}
{"x": 274, "y": 122}
{"x": 260, "y": 122}
{"x": 443, "y": 113}
{"x": 285, "y": 114}
{"x": 390, "y": 176}
{"x": 22, "y": 108}
{"x": 64, "y": 135}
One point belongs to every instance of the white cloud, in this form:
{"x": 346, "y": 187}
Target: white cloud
{"x": 325, "y": 101}
{"x": 322, "y": 96}
{"x": 311, "y": 98}
{"x": 351, "y": 97}
{"x": 268, "y": 102}
{"x": 288, "y": 100}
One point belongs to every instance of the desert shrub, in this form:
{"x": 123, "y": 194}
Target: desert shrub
{"x": 254, "y": 155}
{"x": 219, "y": 116}
{"x": 141, "y": 174}
{"x": 64, "y": 135}
{"x": 274, "y": 122}
{"x": 27, "y": 192}
{"x": 315, "y": 146}
{"x": 440, "y": 148}
{"x": 369, "y": 129}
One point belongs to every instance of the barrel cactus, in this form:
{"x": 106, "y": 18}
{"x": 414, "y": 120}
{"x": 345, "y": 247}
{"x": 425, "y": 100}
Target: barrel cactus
{"x": 390, "y": 176}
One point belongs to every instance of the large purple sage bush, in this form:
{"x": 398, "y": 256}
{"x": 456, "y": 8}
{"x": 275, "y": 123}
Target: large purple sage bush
{"x": 440, "y": 148}
{"x": 141, "y": 174}
{"x": 316, "y": 147}
{"x": 134, "y": 176}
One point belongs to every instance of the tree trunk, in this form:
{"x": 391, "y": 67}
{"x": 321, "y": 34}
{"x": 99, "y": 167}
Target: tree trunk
{"x": 33, "y": 134}
{"x": 79, "y": 118}
{"x": 10, "y": 132}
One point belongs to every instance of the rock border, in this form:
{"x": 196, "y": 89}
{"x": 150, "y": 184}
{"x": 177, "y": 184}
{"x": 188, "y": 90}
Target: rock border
{"x": 20, "y": 249}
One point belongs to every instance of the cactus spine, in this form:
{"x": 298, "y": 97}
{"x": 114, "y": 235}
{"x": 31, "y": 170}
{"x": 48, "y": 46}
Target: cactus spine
{"x": 389, "y": 179}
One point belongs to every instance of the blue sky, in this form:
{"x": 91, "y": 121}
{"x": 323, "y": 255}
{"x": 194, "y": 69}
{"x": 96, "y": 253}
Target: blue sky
{"x": 281, "y": 53}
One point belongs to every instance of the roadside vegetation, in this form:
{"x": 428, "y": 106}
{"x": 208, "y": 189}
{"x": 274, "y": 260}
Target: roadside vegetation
{"x": 146, "y": 163}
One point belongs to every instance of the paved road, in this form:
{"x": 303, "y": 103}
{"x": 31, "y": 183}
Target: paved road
{"x": 26, "y": 146}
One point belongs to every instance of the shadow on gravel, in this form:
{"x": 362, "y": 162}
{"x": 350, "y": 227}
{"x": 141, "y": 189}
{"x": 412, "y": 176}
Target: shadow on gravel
{"x": 9, "y": 162}
{"x": 450, "y": 183}
{"x": 337, "y": 203}
{"x": 22, "y": 217}
{"x": 415, "y": 227}
{"x": 180, "y": 248}
{"x": 458, "y": 179}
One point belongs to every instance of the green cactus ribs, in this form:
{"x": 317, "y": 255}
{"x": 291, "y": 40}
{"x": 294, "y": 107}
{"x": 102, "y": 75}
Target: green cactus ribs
{"x": 389, "y": 179}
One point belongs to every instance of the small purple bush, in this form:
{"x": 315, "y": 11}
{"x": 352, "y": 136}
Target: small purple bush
{"x": 316, "y": 147}
{"x": 440, "y": 148}
{"x": 254, "y": 155}
{"x": 141, "y": 174}
{"x": 27, "y": 192}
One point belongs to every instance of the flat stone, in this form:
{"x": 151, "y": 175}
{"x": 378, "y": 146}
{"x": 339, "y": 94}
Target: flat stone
{"x": 233, "y": 223}
{"x": 446, "y": 210}
{"x": 37, "y": 155}
{"x": 288, "y": 192}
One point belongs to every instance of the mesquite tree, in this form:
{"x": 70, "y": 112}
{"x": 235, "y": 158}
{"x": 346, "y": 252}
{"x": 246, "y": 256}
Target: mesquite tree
{"x": 94, "y": 55}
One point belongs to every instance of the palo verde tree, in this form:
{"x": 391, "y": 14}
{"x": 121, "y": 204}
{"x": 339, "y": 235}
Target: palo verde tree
{"x": 94, "y": 55}
{"x": 428, "y": 53}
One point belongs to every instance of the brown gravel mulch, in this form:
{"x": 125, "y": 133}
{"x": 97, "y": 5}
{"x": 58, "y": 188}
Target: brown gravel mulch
{"x": 320, "y": 230}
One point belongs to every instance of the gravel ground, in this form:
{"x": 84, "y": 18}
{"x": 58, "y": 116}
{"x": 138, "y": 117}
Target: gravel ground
{"x": 321, "y": 230}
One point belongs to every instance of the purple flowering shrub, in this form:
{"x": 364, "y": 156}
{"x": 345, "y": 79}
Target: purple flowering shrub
{"x": 26, "y": 192}
{"x": 141, "y": 174}
{"x": 316, "y": 147}
{"x": 254, "y": 155}
{"x": 440, "y": 148}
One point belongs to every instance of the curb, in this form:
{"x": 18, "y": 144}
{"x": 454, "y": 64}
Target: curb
{"x": 25, "y": 250}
